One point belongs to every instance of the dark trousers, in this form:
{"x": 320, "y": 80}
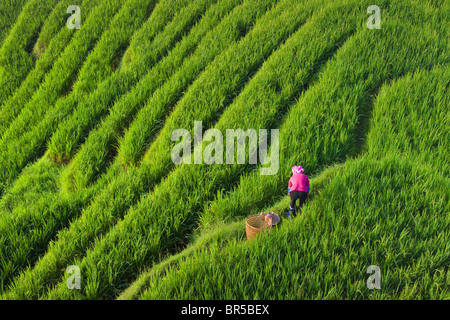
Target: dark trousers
{"x": 300, "y": 195}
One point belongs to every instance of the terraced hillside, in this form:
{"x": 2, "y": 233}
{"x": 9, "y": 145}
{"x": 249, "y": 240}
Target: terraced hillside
{"x": 87, "y": 120}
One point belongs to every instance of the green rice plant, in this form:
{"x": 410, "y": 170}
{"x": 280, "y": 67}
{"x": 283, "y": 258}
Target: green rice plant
{"x": 110, "y": 204}
{"x": 218, "y": 235}
{"x": 9, "y": 11}
{"x": 401, "y": 97}
{"x": 71, "y": 209}
{"x": 51, "y": 48}
{"x": 35, "y": 241}
{"x": 15, "y": 53}
{"x": 23, "y": 143}
{"x": 224, "y": 76}
{"x": 54, "y": 23}
{"x": 93, "y": 155}
{"x": 154, "y": 232}
{"x": 59, "y": 80}
{"x": 85, "y": 195}
{"x": 412, "y": 117}
{"x": 34, "y": 244}
{"x": 105, "y": 59}
{"x": 371, "y": 213}
{"x": 325, "y": 126}
{"x": 389, "y": 209}
{"x": 27, "y": 224}
{"x": 75, "y": 127}
{"x": 150, "y": 118}
{"x": 32, "y": 211}
{"x": 12, "y": 156}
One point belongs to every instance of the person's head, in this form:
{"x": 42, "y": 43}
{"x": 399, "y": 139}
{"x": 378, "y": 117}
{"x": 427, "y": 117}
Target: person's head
{"x": 297, "y": 169}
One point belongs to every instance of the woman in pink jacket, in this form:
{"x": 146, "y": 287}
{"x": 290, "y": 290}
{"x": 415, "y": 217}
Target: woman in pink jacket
{"x": 298, "y": 188}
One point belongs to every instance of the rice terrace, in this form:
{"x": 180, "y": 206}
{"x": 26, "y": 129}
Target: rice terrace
{"x": 110, "y": 189}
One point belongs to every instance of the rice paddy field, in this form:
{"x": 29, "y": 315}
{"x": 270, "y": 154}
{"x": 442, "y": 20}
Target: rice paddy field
{"x": 87, "y": 177}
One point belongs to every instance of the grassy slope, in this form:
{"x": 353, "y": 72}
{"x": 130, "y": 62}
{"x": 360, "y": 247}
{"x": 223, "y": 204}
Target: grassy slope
{"x": 217, "y": 235}
{"x": 9, "y": 11}
{"x": 16, "y": 149}
{"x": 168, "y": 230}
{"x": 367, "y": 203}
{"x": 77, "y": 123}
{"x": 411, "y": 117}
{"x": 115, "y": 202}
{"x": 371, "y": 213}
{"x": 330, "y": 115}
{"x": 49, "y": 211}
{"x": 343, "y": 97}
{"x": 395, "y": 190}
{"x": 51, "y": 220}
{"x": 51, "y": 46}
{"x": 170, "y": 73}
{"x": 16, "y": 57}
{"x": 25, "y": 139}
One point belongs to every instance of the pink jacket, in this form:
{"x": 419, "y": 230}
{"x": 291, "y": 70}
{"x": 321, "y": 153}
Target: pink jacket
{"x": 299, "y": 182}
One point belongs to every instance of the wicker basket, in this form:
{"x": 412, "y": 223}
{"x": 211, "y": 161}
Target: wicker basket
{"x": 254, "y": 225}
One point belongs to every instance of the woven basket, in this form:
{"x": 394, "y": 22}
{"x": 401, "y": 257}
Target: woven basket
{"x": 254, "y": 225}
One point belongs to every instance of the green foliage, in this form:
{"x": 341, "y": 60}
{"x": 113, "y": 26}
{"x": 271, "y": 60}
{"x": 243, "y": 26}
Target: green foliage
{"x": 86, "y": 175}
{"x": 412, "y": 117}
{"x": 99, "y": 146}
{"x": 150, "y": 118}
{"x": 26, "y": 136}
{"x": 155, "y": 234}
{"x": 103, "y": 202}
{"x": 50, "y": 47}
{"x": 126, "y": 190}
{"x": 15, "y": 150}
{"x": 327, "y": 124}
{"x": 45, "y": 211}
{"x": 73, "y": 130}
